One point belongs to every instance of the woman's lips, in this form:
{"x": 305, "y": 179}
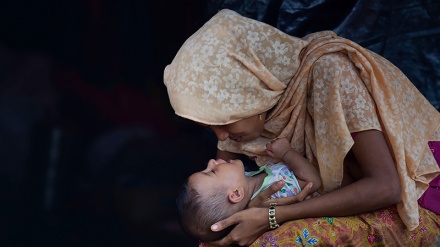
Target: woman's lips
{"x": 237, "y": 139}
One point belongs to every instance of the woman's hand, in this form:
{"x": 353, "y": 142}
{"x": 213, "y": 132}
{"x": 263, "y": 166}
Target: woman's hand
{"x": 254, "y": 221}
{"x": 263, "y": 199}
{"x": 250, "y": 224}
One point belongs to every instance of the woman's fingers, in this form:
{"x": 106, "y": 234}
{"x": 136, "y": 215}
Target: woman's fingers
{"x": 248, "y": 224}
{"x": 264, "y": 198}
{"x": 275, "y": 187}
{"x": 261, "y": 200}
{"x": 302, "y": 194}
{"x": 305, "y": 191}
{"x": 292, "y": 199}
{"x": 223, "y": 224}
{"x": 226, "y": 241}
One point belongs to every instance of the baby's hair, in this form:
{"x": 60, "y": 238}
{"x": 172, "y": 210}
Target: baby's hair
{"x": 198, "y": 212}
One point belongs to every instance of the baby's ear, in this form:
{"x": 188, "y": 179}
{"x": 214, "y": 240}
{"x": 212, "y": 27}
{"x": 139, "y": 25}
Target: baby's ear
{"x": 236, "y": 195}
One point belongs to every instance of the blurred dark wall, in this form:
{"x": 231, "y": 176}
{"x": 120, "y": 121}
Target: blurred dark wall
{"x": 91, "y": 153}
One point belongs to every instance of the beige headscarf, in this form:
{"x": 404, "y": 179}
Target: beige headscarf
{"x": 235, "y": 67}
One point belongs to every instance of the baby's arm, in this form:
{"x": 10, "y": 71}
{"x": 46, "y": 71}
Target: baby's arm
{"x": 304, "y": 171}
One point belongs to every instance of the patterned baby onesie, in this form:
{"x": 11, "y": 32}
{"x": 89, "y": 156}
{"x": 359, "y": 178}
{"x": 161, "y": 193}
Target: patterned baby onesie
{"x": 276, "y": 172}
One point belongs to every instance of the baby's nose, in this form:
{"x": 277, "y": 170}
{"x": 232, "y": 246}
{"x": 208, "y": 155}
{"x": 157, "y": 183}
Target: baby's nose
{"x": 211, "y": 163}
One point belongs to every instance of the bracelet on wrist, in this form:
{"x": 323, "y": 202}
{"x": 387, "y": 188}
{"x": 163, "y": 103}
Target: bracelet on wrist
{"x": 272, "y": 220}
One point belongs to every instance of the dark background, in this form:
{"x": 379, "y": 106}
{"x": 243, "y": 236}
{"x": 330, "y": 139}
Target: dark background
{"x": 91, "y": 153}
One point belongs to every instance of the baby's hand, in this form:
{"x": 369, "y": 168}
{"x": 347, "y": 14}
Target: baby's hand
{"x": 278, "y": 147}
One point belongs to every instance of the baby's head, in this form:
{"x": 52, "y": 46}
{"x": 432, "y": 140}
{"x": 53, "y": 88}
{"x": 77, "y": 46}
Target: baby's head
{"x": 210, "y": 196}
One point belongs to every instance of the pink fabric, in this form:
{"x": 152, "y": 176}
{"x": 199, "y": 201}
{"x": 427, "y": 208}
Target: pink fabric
{"x": 435, "y": 148}
{"x": 431, "y": 198}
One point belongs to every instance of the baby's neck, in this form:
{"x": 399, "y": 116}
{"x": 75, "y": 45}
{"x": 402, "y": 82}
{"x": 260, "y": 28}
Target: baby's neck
{"x": 255, "y": 182}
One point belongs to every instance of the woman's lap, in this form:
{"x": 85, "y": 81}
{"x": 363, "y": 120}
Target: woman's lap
{"x": 378, "y": 228}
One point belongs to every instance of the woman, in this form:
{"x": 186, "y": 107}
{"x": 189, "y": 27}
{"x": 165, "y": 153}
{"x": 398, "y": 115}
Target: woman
{"x": 350, "y": 112}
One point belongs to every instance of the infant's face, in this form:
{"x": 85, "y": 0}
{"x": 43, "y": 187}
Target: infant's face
{"x": 219, "y": 173}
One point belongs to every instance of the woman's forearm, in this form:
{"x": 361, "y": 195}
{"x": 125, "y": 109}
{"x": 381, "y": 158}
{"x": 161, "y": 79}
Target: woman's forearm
{"x": 351, "y": 200}
{"x": 378, "y": 187}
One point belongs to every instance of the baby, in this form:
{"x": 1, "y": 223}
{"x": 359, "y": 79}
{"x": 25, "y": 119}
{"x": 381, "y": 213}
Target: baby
{"x": 224, "y": 188}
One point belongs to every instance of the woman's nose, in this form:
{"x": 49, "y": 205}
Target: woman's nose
{"x": 220, "y": 133}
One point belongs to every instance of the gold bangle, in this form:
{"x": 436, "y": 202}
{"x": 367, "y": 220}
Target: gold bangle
{"x": 272, "y": 220}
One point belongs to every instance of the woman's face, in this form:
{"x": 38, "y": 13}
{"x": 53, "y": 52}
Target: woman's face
{"x": 245, "y": 130}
